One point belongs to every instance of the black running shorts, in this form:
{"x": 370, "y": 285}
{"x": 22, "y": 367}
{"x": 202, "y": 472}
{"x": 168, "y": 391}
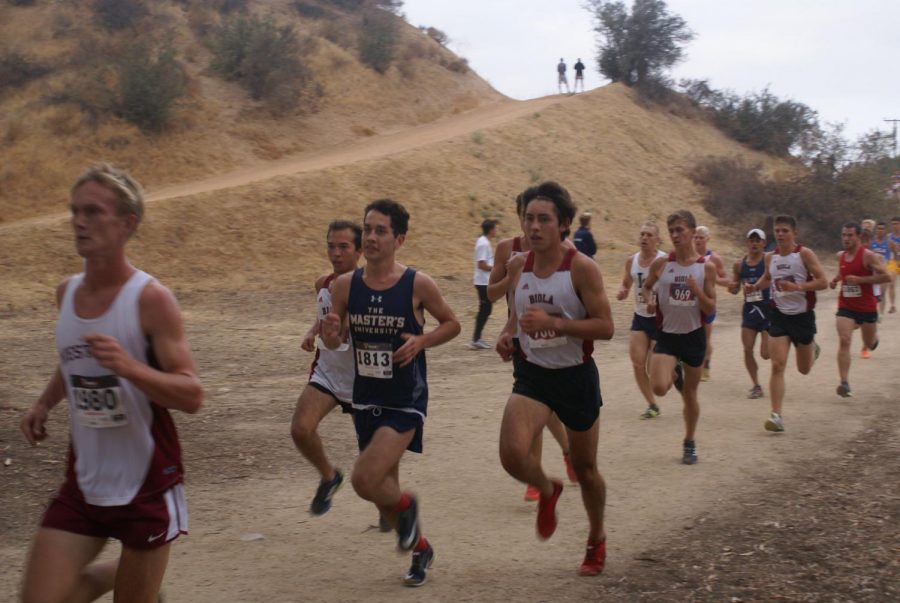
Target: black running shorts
{"x": 573, "y": 393}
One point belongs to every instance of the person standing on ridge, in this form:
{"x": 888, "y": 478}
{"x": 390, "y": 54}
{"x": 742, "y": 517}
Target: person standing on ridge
{"x": 561, "y": 72}
{"x": 579, "y": 75}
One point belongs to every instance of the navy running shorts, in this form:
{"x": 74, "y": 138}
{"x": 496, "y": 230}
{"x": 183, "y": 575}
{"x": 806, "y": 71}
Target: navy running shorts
{"x": 573, "y": 392}
{"x": 690, "y": 348}
{"x": 801, "y": 328}
{"x": 756, "y": 316}
{"x": 647, "y": 324}
{"x": 709, "y": 318}
{"x": 370, "y": 420}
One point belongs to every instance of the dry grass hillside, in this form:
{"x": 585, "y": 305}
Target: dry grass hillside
{"x": 621, "y": 159}
{"x": 55, "y": 123}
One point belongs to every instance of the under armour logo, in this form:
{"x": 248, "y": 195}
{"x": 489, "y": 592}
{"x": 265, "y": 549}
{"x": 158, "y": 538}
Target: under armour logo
{"x": 375, "y": 298}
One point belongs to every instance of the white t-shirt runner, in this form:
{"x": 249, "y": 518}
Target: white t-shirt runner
{"x": 483, "y": 252}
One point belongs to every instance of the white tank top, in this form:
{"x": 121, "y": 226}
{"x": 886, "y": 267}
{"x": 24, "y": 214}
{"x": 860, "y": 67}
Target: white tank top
{"x": 638, "y": 276}
{"x": 555, "y": 295}
{"x": 790, "y": 267}
{"x": 338, "y": 363}
{"x": 678, "y": 309}
{"x": 123, "y": 445}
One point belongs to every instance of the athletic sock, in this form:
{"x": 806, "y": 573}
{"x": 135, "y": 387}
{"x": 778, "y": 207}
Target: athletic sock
{"x": 404, "y": 504}
{"x": 421, "y": 545}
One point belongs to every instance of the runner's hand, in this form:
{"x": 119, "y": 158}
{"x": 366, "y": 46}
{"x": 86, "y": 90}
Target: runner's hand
{"x": 309, "y": 341}
{"x": 331, "y": 326}
{"x": 622, "y": 294}
{"x": 33, "y": 424}
{"x": 535, "y": 319}
{"x": 109, "y": 353}
{"x": 505, "y": 347}
{"x": 411, "y": 347}
{"x": 693, "y": 286}
{"x": 852, "y": 279}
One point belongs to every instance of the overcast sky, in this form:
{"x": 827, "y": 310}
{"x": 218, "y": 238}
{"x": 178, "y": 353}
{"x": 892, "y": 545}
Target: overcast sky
{"x": 840, "y": 57}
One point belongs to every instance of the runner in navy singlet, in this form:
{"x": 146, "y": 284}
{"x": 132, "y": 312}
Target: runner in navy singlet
{"x": 124, "y": 364}
{"x": 560, "y": 308}
{"x": 701, "y": 246}
{"x": 756, "y": 309}
{"x": 384, "y": 306}
{"x": 332, "y": 373}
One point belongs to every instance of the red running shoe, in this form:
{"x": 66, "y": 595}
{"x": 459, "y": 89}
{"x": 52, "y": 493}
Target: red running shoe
{"x": 594, "y": 558}
{"x": 546, "y": 516}
{"x": 570, "y": 471}
{"x": 531, "y": 493}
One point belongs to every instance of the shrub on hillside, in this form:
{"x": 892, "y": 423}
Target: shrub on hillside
{"x": 149, "y": 84}
{"x": 21, "y": 2}
{"x": 436, "y": 34}
{"x": 264, "y": 58}
{"x": 377, "y": 39}
{"x": 227, "y": 7}
{"x": 821, "y": 199}
{"x": 16, "y": 70}
{"x": 308, "y": 9}
{"x": 118, "y": 14}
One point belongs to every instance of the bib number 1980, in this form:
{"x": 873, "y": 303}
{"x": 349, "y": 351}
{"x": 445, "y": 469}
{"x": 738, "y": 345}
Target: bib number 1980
{"x": 375, "y": 360}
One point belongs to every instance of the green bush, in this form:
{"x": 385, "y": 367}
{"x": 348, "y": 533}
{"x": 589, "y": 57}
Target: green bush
{"x": 118, "y": 14}
{"x": 149, "y": 84}
{"x": 377, "y": 39}
{"x": 16, "y": 70}
{"x": 264, "y": 58}
{"x": 307, "y": 9}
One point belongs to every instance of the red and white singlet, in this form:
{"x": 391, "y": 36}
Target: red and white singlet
{"x": 677, "y": 308}
{"x": 791, "y": 268}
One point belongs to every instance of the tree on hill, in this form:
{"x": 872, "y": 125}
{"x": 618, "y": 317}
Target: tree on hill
{"x": 636, "y": 48}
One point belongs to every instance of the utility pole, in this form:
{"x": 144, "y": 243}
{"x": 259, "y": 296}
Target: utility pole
{"x": 894, "y": 121}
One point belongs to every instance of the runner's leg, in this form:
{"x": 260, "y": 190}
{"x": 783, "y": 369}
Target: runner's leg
{"x": 778, "y": 352}
{"x": 59, "y": 569}
{"x": 523, "y": 420}
{"x": 312, "y": 407}
{"x": 593, "y": 488}
{"x": 639, "y": 346}
{"x": 140, "y": 574}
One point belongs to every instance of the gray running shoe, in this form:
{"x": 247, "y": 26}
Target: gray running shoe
{"x": 756, "y": 392}
{"x": 651, "y": 413}
{"x": 321, "y": 502}
{"x": 690, "y": 453}
{"x": 775, "y": 423}
{"x": 843, "y": 390}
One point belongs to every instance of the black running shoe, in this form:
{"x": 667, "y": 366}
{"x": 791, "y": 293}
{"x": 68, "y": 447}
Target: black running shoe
{"x": 690, "y": 453}
{"x": 418, "y": 571}
{"x": 408, "y": 526}
{"x": 679, "y": 377}
{"x": 321, "y": 502}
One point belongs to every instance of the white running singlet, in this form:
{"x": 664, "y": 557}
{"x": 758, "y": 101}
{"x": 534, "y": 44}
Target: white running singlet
{"x": 555, "y": 295}
{"x": 638, "y": 276}
{"x": 333, "y": 369}
{"x": 124, "y": 446}
{"x": 790, "y": 267}
{"x": 678, "y": 309}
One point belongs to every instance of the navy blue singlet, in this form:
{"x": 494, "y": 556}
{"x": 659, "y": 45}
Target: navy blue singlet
{"x": 377, "y": 318}
{"x": 750, "y": 274}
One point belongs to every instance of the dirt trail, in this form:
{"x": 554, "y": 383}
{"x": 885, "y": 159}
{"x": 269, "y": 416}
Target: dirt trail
{"x": 245, "y": 478}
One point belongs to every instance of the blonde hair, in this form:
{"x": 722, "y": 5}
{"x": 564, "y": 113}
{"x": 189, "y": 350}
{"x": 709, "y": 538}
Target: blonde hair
{"x": 651, "y": 224}
{"x": 703, "y": 231}
{"x": 128, "y": 191}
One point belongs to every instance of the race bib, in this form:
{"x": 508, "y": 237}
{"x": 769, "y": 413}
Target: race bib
{"x": 98, "y": 401}
{"x": 681, "y": 295}
{"x": 375, "y": 360}
{"x": 851, "y": 290}
{"x": 753, "y": 296}
{"x": 546, "y": 339}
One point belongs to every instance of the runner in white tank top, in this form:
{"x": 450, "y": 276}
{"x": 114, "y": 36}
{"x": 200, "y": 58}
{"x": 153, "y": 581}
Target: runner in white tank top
{"x": 643, "y": 323}
{"x": 794, "y": 274}
{"x": 685, "y": 287}
{"x": 560, "y": 308}
{"x": 332, "y": 372}
{"x": 123, "y": 364}
{"x": 506, "y": 269}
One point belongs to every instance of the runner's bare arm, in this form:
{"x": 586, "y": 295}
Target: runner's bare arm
{"x": 874, "y": 262}
{"x": 427, "y": 295}
{"x": 497, "y": 282}
{"x": 814, "y": 266}
{"x": 627, "y": 281}
{"x": 33, "y": 422}
{"x": 707, "y": 295}
{"x": 175, "y": 385}
{"x": 837, "y": 277}
{"x": 504, "y": 345}
{"x": 765, "y": 280}
{"x": 736, "y": 278}
{"x": 309, "y": 340}
{"x": 721, "y": 274}
{"x": 333, "y": 325}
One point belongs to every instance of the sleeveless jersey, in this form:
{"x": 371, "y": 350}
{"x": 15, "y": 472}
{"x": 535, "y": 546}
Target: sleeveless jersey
{"x": 895, "y": 239}
{"x": 638, "y": 276}
{"x": 856, "y": 298}
{"x": 377, "y": 319}
{"x": 123, "y": 446}
{"x": 555, "y": 295}
{"x": 749, "y": 275}
{"x": 883, "y": 248}
{"x": 790, "y": 267}
{"x": 678, "y": 309}
{"x": 336, "y": 364}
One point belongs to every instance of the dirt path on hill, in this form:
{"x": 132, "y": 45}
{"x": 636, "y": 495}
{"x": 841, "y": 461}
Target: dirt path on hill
{"x": 252, "y": 539}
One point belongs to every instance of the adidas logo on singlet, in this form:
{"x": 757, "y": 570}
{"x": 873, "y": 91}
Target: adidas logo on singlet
{"x": 525, "y": 286}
